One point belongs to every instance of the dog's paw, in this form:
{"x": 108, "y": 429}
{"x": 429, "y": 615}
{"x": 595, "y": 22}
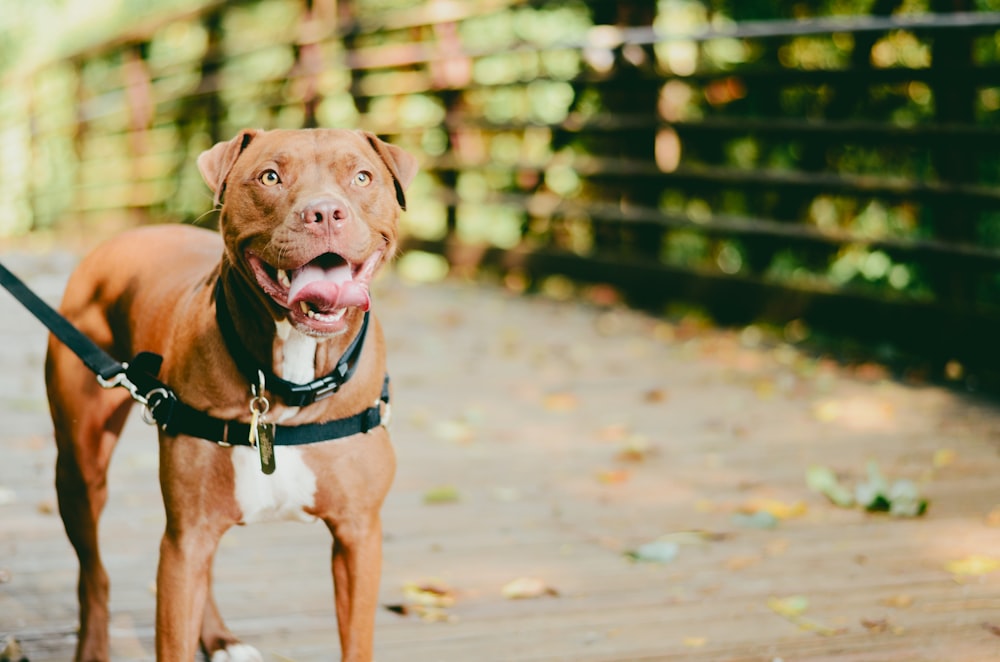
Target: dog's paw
{"x": 237, "y": 653}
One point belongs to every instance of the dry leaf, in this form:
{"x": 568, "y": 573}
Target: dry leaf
{"x": 992, "y": 629}
{"x": 993, "y": 517}
{"x": 899, "y": 601}
{"x": 658, "y": 551}
{"x": 560, "y": 402}
{"x": 976, "y": 564}
{"x": 527, "y": 587}
{"x": 613, "y": 476}
{"x": 792, "y": 609}
{"x": 779, "y": 509}
{"x": 441, "y": 494}
{"x": 694, "y": 642}
{"x": 46, "y": 507}
{"x": 794, "y": 605}
{"x": 430, "y": 595}
{"x": 655, "y": 395}
{"x": 636, "y": 449}
{"x": 877, "y": 625}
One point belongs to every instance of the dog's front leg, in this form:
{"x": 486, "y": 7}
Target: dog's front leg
{"x": 181, "y": 591}
{"x": 198, "y": 514}
{"x": 357, "y": 565}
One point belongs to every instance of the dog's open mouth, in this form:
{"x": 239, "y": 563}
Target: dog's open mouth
{"x": 317, "y": 294}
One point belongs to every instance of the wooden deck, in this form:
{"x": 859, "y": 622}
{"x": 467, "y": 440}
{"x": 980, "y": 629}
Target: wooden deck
{"x": 559, "y": 437}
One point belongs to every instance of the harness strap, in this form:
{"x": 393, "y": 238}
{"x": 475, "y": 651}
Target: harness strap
{"x": 176, "y": 417}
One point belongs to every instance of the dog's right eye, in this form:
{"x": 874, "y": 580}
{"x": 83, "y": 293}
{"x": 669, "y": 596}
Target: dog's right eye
{"x": 269, "y": 178}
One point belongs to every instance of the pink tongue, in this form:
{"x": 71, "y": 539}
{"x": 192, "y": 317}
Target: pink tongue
{"x": 327, "y": 289}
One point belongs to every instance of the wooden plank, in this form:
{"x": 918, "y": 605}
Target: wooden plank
{"x": 475, "y": 370}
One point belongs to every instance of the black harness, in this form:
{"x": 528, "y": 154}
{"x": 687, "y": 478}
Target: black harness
{"x": 164, "y": 409}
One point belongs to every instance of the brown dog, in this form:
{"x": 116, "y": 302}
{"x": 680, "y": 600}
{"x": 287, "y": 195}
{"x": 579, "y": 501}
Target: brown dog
{"x": 307, "y": 218}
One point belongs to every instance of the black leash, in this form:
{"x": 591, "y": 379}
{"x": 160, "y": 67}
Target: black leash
{"x": 95, "y": 358}
{"x": 164, "y": 409}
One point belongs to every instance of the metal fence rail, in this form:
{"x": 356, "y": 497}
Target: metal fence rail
{"x": 839, "y": 171}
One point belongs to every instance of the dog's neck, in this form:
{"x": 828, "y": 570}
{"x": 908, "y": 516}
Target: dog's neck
{"x": 290, "y": 354}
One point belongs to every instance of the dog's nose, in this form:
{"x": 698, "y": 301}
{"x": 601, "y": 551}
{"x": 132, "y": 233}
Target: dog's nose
{"x": 324, "y": 211}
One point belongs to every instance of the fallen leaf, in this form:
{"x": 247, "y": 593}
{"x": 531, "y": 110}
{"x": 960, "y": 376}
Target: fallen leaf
{"x": 976, "y": 564}
{"x": 432, "y": 614}
{"x": 527, "y": 587}
{"x": 824, "y": 481}
{"x": 993, "y": 517}
{"x": 992, "y": 629}
{"x": 793, "y": 605}
{"x": 655, "y": 395}
{"x": 899, "y": 601}
{"x": 759, "y": 520}
{"x": 658, "y": 551}
{"x": 399, "y": 609}
{"x": 792, "y": 609}
{"x": 560, "y": 402}
{"x": 613, "y": 476}
{"x": 875, "y": 625}
{"x": 46, "y": 507}
{"x": 694, "y": 642}
{"x": 441, "y": 494}
{"x": 779, "y": 509}
{"x": 636, "y": 449}
{"x": 429, "y": 595}
{"x": 900, "y": 499}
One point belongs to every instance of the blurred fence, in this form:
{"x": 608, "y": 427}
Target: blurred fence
{"x": 835, "y": 173}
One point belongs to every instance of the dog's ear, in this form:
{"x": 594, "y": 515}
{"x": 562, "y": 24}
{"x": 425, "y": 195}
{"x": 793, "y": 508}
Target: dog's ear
{"x": 215, "y": 163}
{"x": 401, "y": 164}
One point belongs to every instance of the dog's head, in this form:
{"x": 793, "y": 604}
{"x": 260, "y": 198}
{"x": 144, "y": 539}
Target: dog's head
{"x": 308, "y": 217}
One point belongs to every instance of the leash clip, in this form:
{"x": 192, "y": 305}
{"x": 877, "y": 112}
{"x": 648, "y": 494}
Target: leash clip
{"x": 121, "y": 379}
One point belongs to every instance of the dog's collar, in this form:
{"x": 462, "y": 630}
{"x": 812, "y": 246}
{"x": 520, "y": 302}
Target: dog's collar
{"x": 293, "y": 394}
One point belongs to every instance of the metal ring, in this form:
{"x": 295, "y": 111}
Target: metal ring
{"x": 148, "y": 410}
{"x": 259, "y": 405}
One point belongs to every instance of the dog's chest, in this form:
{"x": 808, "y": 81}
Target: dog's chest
{"x": 291, "y": 489}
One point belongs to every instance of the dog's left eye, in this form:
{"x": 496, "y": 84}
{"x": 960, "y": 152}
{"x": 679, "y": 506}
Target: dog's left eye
{"x": 269, "y": 178}
{"x": 363, "y": 178}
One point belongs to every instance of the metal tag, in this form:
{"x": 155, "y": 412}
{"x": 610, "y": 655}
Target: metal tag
{"x": 265, "y": 444}
{"x": 262, "y": 438}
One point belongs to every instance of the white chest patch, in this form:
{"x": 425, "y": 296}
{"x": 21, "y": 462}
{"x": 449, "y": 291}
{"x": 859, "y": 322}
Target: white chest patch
{"x": 292, "y": 487}
{"x": 283, "y": 495}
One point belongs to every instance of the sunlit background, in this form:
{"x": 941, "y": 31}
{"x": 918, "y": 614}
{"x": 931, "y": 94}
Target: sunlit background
{"x": 829, "y": 167}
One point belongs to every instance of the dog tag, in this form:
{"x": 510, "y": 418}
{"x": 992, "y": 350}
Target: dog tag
{"x": 262, "y": 438}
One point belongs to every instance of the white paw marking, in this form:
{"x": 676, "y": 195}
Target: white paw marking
{"x": 237, "y": 653}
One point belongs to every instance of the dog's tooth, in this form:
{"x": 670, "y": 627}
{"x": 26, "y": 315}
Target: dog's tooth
{"x": 283, "y": 278}
{"x": 305, "y": 307}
